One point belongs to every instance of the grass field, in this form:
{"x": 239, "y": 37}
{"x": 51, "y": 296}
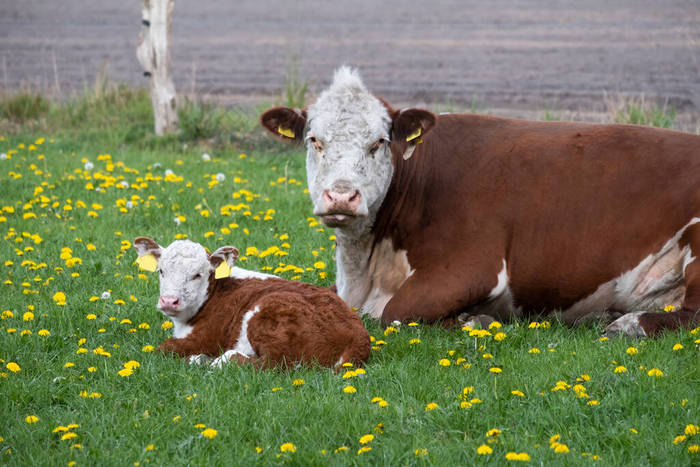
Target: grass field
{"x": 80, "y": 382}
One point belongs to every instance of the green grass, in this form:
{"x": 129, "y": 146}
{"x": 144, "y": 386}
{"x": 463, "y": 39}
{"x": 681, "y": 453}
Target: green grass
{"x": 157, "y": 406}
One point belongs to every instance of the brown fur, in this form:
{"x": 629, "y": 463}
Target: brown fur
{"x": 297, "y": 323}
{"x": 569, "y": 206}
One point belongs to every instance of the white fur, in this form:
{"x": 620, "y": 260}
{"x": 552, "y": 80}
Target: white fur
{"x": 181, "y": 330}
{"x": 627, "y": 324}
{"x": 347, "y": 120}
{"x": 655, "y": 282}
{"x": 179, "y": 263}
{"x": 199, "y": 359}
{"x": 243, "y": 346}
{"x": 240, "y": 273}
{"x": 502, "y": 282}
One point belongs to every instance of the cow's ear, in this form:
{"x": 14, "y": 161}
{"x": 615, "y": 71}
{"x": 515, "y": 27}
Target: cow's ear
{"x": 222, "y": 260}
{"x": 285, "y": 123}
{"x": 149, "y": 253}
{"x": 409, "y": 127}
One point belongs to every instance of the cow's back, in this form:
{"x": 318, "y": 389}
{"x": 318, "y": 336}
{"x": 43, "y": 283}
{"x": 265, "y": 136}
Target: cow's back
{"x": 569, "y": 206}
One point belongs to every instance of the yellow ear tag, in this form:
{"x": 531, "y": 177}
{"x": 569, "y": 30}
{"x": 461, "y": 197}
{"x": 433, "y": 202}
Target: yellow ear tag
{"x": 147, "y": 262}
{"x": 222, "y": 270}
{"x": 285, "y": 132}
{"x": 414, "y": 135}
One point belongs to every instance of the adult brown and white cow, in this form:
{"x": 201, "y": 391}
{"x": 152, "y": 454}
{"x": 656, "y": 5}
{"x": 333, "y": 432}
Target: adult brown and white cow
{"x": 223, "y": 311}
{"x": 441, "y": 215}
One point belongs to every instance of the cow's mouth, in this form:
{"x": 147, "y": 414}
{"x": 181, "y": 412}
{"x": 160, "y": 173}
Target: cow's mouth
{"x": 337, "y": 219}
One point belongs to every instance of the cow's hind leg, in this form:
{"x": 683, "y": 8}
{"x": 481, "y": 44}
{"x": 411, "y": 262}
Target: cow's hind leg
{"x": 649, "y": 324}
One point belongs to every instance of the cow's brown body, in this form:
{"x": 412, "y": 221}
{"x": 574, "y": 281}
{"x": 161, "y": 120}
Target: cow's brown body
{"x": 296, "y": 323}
{"x": 440, "y": 216}
{"x": 568, "y": 206}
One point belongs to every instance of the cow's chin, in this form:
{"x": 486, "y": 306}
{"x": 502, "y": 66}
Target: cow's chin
{"x": 338, "y": 220}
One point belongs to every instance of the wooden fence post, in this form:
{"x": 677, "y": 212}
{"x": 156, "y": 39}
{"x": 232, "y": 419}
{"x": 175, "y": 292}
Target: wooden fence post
{"x": 153, "y": 52}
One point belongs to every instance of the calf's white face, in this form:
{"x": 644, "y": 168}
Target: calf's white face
{"x": 349, "y": 135}
{"x": 184, "y": 268}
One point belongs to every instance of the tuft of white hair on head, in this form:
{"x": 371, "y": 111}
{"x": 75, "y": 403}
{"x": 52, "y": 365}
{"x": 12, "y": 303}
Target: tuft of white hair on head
{"x": 347, "y": 77}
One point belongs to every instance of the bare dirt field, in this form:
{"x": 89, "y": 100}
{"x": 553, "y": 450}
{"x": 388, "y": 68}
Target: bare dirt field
{"x": 516, "y": 55}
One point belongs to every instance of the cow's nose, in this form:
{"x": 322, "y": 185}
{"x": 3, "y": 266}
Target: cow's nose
{"x": 168, "y": 302}
{"x": 341, "y": 200}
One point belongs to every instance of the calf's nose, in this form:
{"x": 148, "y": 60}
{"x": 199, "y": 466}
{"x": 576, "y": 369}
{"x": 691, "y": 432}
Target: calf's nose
{"x": 168, "y": 302}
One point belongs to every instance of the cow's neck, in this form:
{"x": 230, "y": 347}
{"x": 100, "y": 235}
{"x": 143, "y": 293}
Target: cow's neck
{"x": 353, "y": 248}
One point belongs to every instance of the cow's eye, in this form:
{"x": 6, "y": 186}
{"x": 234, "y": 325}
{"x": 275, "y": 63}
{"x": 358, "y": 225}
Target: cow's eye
{"x": 197, "y": 276}
{"x": 160, "y": 271}
{"x": 318, "y": 146}
{"x": 377, "y": 145}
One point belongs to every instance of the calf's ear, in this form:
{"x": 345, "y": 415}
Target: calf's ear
{"x": 222, "y": 260}
{"x": 409, "y": 127}
{"x": 149, "y": 253}
{"x": 285, "y": 123}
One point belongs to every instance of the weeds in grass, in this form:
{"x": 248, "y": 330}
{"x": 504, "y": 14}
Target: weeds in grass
{"x": 23, "y": 107}
{"x": 638, "y": 111}
{"x": 295, "y": 88}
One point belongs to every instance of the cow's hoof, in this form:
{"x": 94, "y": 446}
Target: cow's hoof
{"x": 475, "y": 321}
{"x": 199, "y": 359}
{"x": 627, "y": 325}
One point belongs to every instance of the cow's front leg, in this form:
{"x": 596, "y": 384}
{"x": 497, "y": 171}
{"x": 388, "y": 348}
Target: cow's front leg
{"x": 433, "y": 297}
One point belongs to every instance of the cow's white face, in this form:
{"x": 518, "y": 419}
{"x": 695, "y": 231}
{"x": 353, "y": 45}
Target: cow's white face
{"x": 350, "y": 136}
{"x": 348, "y": 163}
{"x": 185, "y": 269}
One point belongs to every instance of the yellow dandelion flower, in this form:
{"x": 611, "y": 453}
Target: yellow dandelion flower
{"x": 513, "y": 456}
{"x": 593, "y": 402}
{"x": 91, "y": 316}
{"x": 288, "y": 447}
{"x": 534, "y": 350}
{"x": 126, "y": 372}
{"x": 364, "y": 449}
{"x": 415, "y": 340}
{"x": 484, "y": 450}
{"x": 655, "y": 372}
{"x": 166, "y": 325}
{"x": 495, "y": 370}
{"x": 444, "y": 362}
{"x": 13, "y": 367}
{"x": 499, "y": 336}
{"x": 677, "y": 347}
{"x": 517, "y": 393}
{"x": 69, "y": 435}
{"x": 620, "y": 369}
{"x": 31, "y": 419}
{"x": 431, "y": 406}
{"x": 692, "y": 430}
{"x": 349, "y": 389}
{"x": 298, "y": 382}
{"x": 44, "y": 332}
{"x": 209, "y": 433}
{"x": 679, "y": 439}
{"x": 493, "y": 432}
{"x": 147, "y": 348}
{"x": 28, "y": 316}
{"x": 694, "y": 448}
{"x": 366, "y": 438}
{"x": 632, "y": 350}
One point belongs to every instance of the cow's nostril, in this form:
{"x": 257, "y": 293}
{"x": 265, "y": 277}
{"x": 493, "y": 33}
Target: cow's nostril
{"x": 355, "y": 196}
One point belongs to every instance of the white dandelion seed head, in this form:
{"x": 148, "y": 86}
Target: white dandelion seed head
{"x": 3, "y": 156}
{"x": 220, "y": 177}
{"x": 129, "y": 204}
{"x": 157, "y": 165}
{"x": 89, "y": 165}
{"x": 177, "y": 220}
{"x": 106, "y": 295}
{"x": 124, "y": 183}
{"x": 169, "y": 172}
{"x": 206, "y": 157}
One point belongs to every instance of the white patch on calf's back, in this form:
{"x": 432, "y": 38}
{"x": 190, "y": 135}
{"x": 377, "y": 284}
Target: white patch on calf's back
{"x": 240, "y": 273}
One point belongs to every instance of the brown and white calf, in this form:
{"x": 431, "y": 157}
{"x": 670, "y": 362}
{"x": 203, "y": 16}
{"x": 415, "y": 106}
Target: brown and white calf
{"x": 248, "y": 316}
{"x": 436, "y": 216}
